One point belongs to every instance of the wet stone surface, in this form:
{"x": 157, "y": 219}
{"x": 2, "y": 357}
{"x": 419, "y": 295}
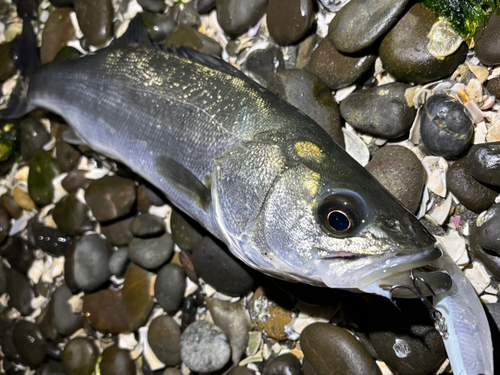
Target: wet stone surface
{"x": 289, "y": 21}
{"x": 116, "y": 361}
{"x": 283, "y": 364}
{"x": 483, "y": 163}
{"x": 80, "y": 356}
{"x": 152, "y": 252}
{"x": 96, "y": 20}
{"x": 236, "y": 17}
{"x": 29, "y": 343}
{"x": 164, "y": 337}
{"x": 488, "y": 233}
{"x": 170, "y": 286}
{"x": 487, "y": 45}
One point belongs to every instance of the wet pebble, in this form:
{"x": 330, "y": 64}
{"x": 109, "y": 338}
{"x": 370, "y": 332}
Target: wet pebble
{"x": 75, "y": 180}
{"x": 170, "y": 286}
{"x": 470, "y": 192}
{"x": 283, "y": 364}
{"x": 9, "y": 204}
{"x": 184, "y": 234}
{"x": 493, "y": 87}
{"x": 305, "y": 50}
{"x": 488, "y": 233}
{"x": 155, "y": 6}
{"x": 110, "y": 197}
{"x": 65, "y": 321}
{"x": 189, "y": 309}
{"x": 204, "y": 347}
{"x": 185, "y": 36}
{"x": 236, "y": 17}
{"x": 400, "y": 171}
{"x": 29, "y": 343}
{"x": 486, "y": 42}
{"x": 7, "y": 67}
{"x": 152, "y": 252}
{"x": 3, "y": 278}
{"x": 483, "y": 163}
{"x": 8, "y": 348}
{"x": 446, "y": 126}
{"x": 240, "y": 370}
{"x": 188, "y": 16}
{"x": 119, "y": 233}
{"x": 361, "y": 22}
{"x": 490, "y": 259}
{"x": 62, "y": 3}
{"x": 261, "y": 64}
{"x": 146, "y": 225}
{"x": 382, "y": 111}
{"x": 312, "y": 96}
{"x": 157, "y": 25}
{"x": 33, "y": 136}
{"x": 4, "y": 224}
{"x": 51, "y": 240}
{"x": 58, "y": 31}
{"x": 204, "y": 6}
{"x": 116, "y": 361}
{"x": 51, "y": 368}
{"x": 164, "y": 337}
{"x": 71, "y": 215}
{"x": 79, "y": 356}
{"x": 288, "y": 21}
{"x": 118, "y": 261}
{"x": 67, "y": 156}
{"x": 221, "y": 270}
{"x": 86, "y": 267}
{"x": 338, "y": 70}
{"x": 333, "y": 350}
{"x": 187, "y": 263}
{"x": 43, "y": 169}
{"x": 20, "y": 291}
{"x": 407, "y": 59}
{"x": 18, "y": 254}
{"x": 95, "y": 18}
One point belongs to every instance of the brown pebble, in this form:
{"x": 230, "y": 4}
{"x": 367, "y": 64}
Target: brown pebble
{"x": 23, "y": 199}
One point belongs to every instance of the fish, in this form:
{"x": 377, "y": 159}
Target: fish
{"x": 256, "y": 172}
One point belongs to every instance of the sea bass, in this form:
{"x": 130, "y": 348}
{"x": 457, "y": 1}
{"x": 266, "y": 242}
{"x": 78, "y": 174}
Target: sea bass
{"x": 256, "y": 172}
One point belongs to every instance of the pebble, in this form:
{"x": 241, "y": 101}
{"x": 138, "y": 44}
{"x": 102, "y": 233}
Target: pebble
{"x": 51, "y": 368}
{"x": 95, "y": 18}
{"x": 488, "y": 233}
{"x": 486, "y": 43}
{"x": 483, "y": 163}
{"x": 305, "y": 50}
{"x": 283, "y": 364}
{"x": 204, "y": 6}
{"x": 236, "y": 17}
{"x": 155, "y": 6}
{"x": 119, "y": 233}
{"x": 187, "y": 263}
{"x": 289, "y": 21}
{"x": 62, "y": 3}
{"x": 7, "y": 67}
{"x": 446, "y": 126}
{"x": 360, "y": 23}
{"x": 312, "y": 96}
{"x": 52, "y": 240}
{"x": 20, "y": 291}
{"x": 221, "y": 270}
{"x": 79, "y": 356}
{"x": 118, "y": 261}
{"x": 336, "y": 69}
{"x": 116, "y": 361}
{"x": 67, "y": 53}
{"x": 170, "y": 286}
{"x": 382, "y": 111}
{"x": 58, "y": 31}
{"x": 4, "y": 224}
{"x": 9, "y": 204}
{"x": 3, "y": 278}
{"x": 490, "y": 260}
{"x": 157, "y": 25}
{"x": 189, "y": 310}
{"x": 146, "y": 225}
{"x": 185, "y": 36}
{"x": 87, "y": 263}
{"x": 493, "y": 87}
{"x": 110, "y": 197}
{"x": 188, "y": 16}
{"x": 23, "y": 199}
{"x": 71, "y": 215}
{"x": 407, "y": 59}
{"x": 164, "y": 337}
{"x": 18, "y": 254}
{"x": 29, "y": 343}
{"x": 43, "y": 169}
{"x": 152, "y": 252}
{"x": 33, "y": 137}
{"x": 75, "y": 180}
{"x": 331, "y": 350}
{"x": 8, "y": 348}
{"x": 204, "y": 347}
{"x": 469, "y": 192}
{"x": 65, "y": 321}
{"x": 232, "y": 318}
{"x": 138, "y": 295}
{"x": 67, "y": 156}
{"x": 261, "y": 64}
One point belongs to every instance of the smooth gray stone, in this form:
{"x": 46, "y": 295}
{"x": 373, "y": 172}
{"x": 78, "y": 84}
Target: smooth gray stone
{"x": 483, "y": 163}
{"x": 151, "y": 253}
{"x": 170, "y": 286}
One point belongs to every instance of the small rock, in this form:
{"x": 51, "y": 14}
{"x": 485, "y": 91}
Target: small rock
{"x": 333, "y": 350}
{"x": 29, "y": 343}
{"x": 488, "y": 233}
{"x": 446, "y": 126}
{"x": 305, "y": 50}
{"x": 471, "y": 193}
{"x": 33, "y": 137}
{"x": 382, "y": 111}
{"x": 236, "y": 17}
{"x": 239, "y": 370}
{"x": 43, "y": 169}
{"x": 157, "y": 25}
{"x": 3, "y": 278}
{"x": 138, "y": 295}
{"x": 7, "y": 201}
{"x": 67, "y": 53}
{"x": 189, "y": 310}
{"x": 152, "y": 252}
{"x": 164, "y": 337}
{"x": 65, "y": 321}
{"x": 4, "y": 225}
{"x": 187, "y": 264}
{"x": 260, "y": 65}
{"x": 185, "y": 36}
{"x": 188, "y": 16}
{"x": 52, "y": 240}
{"x": 23, "y": 199}
{"x": 486, "y": 43}
{"x": 119, "y": 233}
{"x": 360, "y": 23}
{"x": 71, "y": 215}
{"x": 490, "y": 260}
{"x": 110, "y": 197}
{"x": 336, "y": 69}
{"x": 407, "y": 59}
{"x": 75, "y": 180}
{"x": 147, "y": 225}
{"x": 118, "y": 261}
{"x": 8, "y": 348}
{"x": 483, "y": 163}
{"x": 155, "y": 6}
{"x": 400, "y": 171}
{"x": 183, "y": 234}
{"x": 51, "y": 368}
{"x": 18, "y": 254}
{"x": 170, "y": 286}
{"x": 204, "y": 6}
{"x": 7, "y": 67}
{"x": 288, "y": 21}
{"x": 20, "y": 291}
{"x": 116, "y": 361}
{"x": 87, "y": 263}
{"x": 221, "y": 270}
{"x": 67, "y": 156}
{"x": 58, "y": 31}
{"x": 283, "y": 364}
{"x": 79, "y": 356}
{"x": 95, "y": 18}
{"x": 493, "y": 87}
{"x": 204, "y": 347}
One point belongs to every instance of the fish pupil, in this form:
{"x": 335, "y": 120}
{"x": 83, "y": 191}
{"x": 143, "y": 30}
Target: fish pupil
{"x": 339, "y": 221}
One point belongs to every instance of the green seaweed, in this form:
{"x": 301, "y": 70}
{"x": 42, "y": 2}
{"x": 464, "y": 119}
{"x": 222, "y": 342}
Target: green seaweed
{"x": 464, "y": 15}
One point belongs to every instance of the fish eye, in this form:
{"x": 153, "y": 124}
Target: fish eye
{"x": 340, "y": 214}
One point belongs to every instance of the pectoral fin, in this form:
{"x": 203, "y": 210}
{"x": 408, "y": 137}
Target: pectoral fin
{"x": 183, "y": 182}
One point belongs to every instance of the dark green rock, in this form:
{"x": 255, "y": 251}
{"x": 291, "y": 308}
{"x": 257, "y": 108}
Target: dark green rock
{"x": 204, "y": 6}
{"x": 289, "y": 20}
{"x": 404, "y": 54}
{"x": 33, "y": 137}
{"x": 483, "y": 163}
{"x": 151, "y": 253}
{"x": 43, "y": 169}
{"x": 183, "y": 233}
{"x": 184, "y": 36}
{"x": 486, "y": 41}
{"x": 157, "y": 25}
{"x": 51, "y": 368}
{"x": 116, "y": 361}
{"x": 67, "y": 53}
{"x": 164, "y": 337}
{"x": 152, "y": 5}
{"x": 283, "y": 364}
{"x": 29, "y": 343}
{"x": 95, "y": 18}
{"x": 71, "y": 215}
{"x": 79, "y": 356}
{"x": 170, "y": 286}
{"x": 236, "y": 17}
